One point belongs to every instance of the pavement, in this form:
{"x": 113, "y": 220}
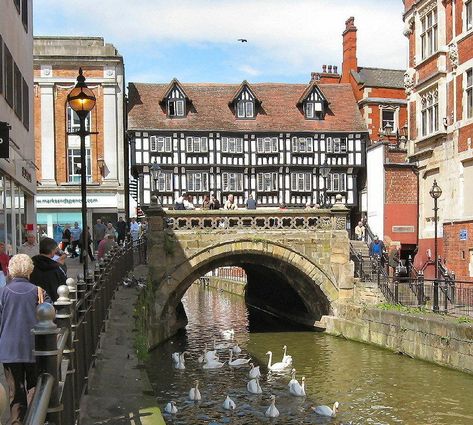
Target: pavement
{"x": 119, "y": 391}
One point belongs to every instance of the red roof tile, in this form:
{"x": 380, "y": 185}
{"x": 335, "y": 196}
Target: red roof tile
{"x": 210, "y": 110}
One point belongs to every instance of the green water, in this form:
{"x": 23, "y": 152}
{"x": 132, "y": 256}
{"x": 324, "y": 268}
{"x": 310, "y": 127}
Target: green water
{"x": 373, "y": 386}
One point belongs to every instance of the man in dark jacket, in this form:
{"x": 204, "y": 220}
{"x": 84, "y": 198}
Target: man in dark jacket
{"x": 121, "y": 230}
{"x": 47, "y": 273}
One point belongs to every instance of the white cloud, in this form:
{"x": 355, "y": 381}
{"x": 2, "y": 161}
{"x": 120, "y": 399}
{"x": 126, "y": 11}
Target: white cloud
{"x": 287, "y": 34}
{"x": 249, "y": 70}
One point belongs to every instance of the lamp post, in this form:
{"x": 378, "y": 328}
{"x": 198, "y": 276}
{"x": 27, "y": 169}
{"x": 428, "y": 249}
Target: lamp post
{"x": 435, "y": 193}
{"x": 155, "y": 171}
{"x": 82, "y": 100}
{"x": 324, "y": 172}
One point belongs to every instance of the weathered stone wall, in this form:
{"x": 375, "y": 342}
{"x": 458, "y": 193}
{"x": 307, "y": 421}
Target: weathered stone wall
{"x": 441, "y": 341}
{"x": 227, "y": 285}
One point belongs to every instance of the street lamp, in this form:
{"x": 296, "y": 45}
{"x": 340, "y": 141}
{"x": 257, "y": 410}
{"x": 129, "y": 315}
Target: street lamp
{"x": 155, "y": 171}
{"x": 324, "y": 172}
{"x": 82, "y": 100}
{"x": 435, "y": 193}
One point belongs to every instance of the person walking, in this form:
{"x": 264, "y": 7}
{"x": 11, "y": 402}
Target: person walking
{"x": 47, "y": 273}
{"x": 66, "y": 238}
{"x": 110, "y": 230}
{"x": 121, "y": 230}
{"x": 76, "y": 231}
{"x": 98, "y": 232}
{"x": 86, "y": 250}
{"x": 394, "y": 259}
{"x": 134, "y": 229}
{"x": 377, "y": 249}
{"x": 30, "y": 247}
{"x": 251, "y": 203}
{"x": 18, "y": 301}
{"x": 105, "y": 245}
{"x": 4, "y": 260}
{"x": 360, "y": 231}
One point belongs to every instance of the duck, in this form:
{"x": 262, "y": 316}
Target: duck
{"x": 236, "y": 349}
{"x": 254, "y": 387}
{"x": 212, "y": 364}
{"x": 276, "y": 366}
{"x": 171, "y": 408}
{"x": 293, "y": 378}
{"x": 326, "y": 411}
{"x": 194, "y": 393}
{"x": 237, "y": 362}
{"x": 181, "y": 364}
{"x": 286, "y": 358}
{"x": 228, "y": 333}
{"x": 254, "y": 372}
{"x": 297, "y": 389}
{"x": 229, "y": 404}
{"x": 272, "y": 411}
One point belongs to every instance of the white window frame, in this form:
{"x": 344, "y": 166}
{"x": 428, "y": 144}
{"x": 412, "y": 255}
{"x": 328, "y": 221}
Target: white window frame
{"x": 232, "y": 145}
{"x": 301, "y": 182}
{"x": 469, "y": 93}
{"x": 165, "y": 182}
{"x": 302, "y": 144}
{"x": 73, "y": 121}
{"x": 336, "y": 145}
{"x": 429, "y": 114}
{"x": 468, "y": 15}
{"x": 160, "y": 144}
{"x": 197, "y": 181}
{"x": 197, "y": 144}
{"x": 267, "y": 182}
{"x": 232, "y": 182}
{"x": 74, "y": 160}
{"x": 245, "y": 109}
{"x": 336, "y": 182}
{"x": 429, "y": 34}
{"x": 384, "y": 121}
{"x": 178, "y": 108}
{"x": 267, "y": 145}
{"x": 313, "y": 109}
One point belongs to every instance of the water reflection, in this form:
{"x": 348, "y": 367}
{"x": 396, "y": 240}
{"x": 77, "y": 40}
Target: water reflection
{"x": 373, "y": 386}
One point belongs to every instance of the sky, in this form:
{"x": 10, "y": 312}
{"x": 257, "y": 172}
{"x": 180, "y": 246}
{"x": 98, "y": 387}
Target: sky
{"x": 196, "y": 40}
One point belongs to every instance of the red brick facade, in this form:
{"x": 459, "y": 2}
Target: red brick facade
{"x": 458, "y": 243}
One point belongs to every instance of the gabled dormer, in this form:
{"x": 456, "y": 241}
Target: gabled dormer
{"x": 175, "y": 100}
{"x": 313, "y": 103}
{"x": 245, "y": 102}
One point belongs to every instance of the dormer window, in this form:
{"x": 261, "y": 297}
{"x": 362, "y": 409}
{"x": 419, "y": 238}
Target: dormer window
{"x": 313, "y": 110}
{"x": 175, "y": 100}
{"x": 245, "y": 109}
{"x": 313, "y": 102}
{"x": 176, "y": 108}
{"x": 244, "y": 102}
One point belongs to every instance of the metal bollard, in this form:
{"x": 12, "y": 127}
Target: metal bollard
{"x": 420, "y": 289}
{"x": 46, "y": 353}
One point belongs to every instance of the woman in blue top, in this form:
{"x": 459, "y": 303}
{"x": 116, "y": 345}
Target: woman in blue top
{"x": 18, "y": 301}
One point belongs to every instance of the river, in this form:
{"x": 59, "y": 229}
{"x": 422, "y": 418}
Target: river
{"x": 373, "y": 386}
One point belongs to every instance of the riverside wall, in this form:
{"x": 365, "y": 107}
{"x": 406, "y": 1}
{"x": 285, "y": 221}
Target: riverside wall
{"x": 439, "y": 340}
{"x": 227, "y": 285}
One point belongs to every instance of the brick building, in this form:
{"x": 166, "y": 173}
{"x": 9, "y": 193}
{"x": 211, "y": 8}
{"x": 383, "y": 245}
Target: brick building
{"x": 56, "y": 64}
{"x": 17, "y": 161}
{"x": 439, "y": 83}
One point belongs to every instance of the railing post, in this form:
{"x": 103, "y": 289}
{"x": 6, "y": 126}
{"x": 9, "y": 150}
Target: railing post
{"x": 64, "y": 321}
{"x": 396, "y": 286}
{"x": 46, "y": 353}
{"x": 445, "y": 304}
{"x": 420, "y": 288}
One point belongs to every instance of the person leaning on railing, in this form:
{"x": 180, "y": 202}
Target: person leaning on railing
{"x": 18, "y": 301}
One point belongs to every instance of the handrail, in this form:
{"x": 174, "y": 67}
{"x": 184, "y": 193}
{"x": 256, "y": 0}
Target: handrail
{"x": 38, "y": 408}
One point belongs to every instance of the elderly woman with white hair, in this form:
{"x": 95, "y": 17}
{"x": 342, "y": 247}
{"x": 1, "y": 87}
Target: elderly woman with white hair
{"x": 18, "y": 301}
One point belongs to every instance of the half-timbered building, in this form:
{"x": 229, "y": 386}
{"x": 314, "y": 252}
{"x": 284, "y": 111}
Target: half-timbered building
{"x": 268, "y": 140}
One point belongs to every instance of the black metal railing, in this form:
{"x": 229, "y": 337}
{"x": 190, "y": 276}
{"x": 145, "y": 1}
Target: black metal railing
{"x": 68, "y": 335}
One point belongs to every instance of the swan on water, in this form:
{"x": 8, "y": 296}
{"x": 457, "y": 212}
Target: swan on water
{"x": 181, "y": 364}
{"x": 171, "y": 408}
{"x": 286, "y": 358}
{"x": 228, "y": 333}
{"x": 236, "y": 349}
{"x": 237, "y": 362}
{"x": 297, "y": 389}
{"x": 175, "y": 357}
{"x": 272, "y": 411}
{"x": 276, "y": 366}
{"x": 293, "y": 378}
{"x": 254, "y": 387}
{"x": 212, "y": 364}
{"x": 254, "y": 372}
{"x": 229, "y": 404}
{"x": 194, "y": 393}
{"x": 326, "y": 411}
{"x": 207, "y": 355}
{"x": 221, "y": 346}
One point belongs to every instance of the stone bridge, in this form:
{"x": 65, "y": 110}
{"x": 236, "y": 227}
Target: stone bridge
{"x": 297, "y": 262}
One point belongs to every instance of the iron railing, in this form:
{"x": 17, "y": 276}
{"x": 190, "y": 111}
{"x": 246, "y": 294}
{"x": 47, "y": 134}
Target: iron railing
{"x": 68, "y": 335}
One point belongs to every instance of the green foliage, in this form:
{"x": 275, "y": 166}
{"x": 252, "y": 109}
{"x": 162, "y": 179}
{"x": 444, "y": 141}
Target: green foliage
{"x": 402, "y": 309}
{"x": 141, "y": 346}
{"x": 464, "y": 319}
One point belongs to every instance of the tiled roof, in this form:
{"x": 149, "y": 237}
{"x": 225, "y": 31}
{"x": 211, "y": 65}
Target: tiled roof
{"x": 378, "y": 77}
{"x": 210, "y": 109}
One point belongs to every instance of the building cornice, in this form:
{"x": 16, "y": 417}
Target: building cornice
{"x": 382, "y": 100}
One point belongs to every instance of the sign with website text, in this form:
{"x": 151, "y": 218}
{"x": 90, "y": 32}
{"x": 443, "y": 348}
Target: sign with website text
{"x": 75, "y": 201}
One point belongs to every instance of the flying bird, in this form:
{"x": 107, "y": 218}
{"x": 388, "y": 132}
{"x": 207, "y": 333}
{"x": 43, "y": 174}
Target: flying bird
{"x": 243, "y": 40}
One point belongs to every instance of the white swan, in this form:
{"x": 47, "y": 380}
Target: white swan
{"x": 236, "y": 349}
{"x": 181, "y": 364}
{"x": 212, "y": 364}
{"x": 327, "y": 411}
{"x": 272, "y": 411}
{"x": 237, "y": 362}
{"x": 293, "y": 378}
{"x": 207, "y": 355}
{"x": 222, "y": 346}
{"x": 254, "y": 372}
{"x": 228, "y": 333}
{"x": 297, "y": 389}
{"x": 286, "y": 358}
{"x": 175, "y": 357}
{"x": 194, "y": 393}
{"x": 275, "y": 366}
{"x": 254, "y": 387}
{"x": 171, "y": 408}
{"x": 229, "y": 404}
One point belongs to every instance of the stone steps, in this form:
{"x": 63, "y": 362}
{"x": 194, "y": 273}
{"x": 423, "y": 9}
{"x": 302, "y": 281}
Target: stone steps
{"x": 366, "y": 292}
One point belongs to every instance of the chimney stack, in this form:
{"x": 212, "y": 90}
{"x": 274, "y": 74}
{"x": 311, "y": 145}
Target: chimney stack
{"x": 350, "y": 61}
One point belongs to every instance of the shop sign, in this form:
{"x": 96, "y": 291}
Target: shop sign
{"x": 4, "y": 140}
{"x": 463, "y": 234}
{"x": 70, "y": 201}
